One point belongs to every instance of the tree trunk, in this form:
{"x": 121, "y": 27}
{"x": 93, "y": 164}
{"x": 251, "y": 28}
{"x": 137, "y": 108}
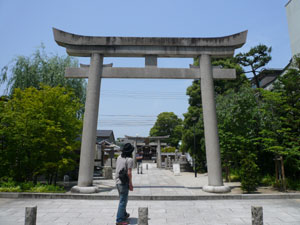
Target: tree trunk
{"x": 55, "y": 178}
{"x": 276, "y": 172}
{"x": 35, "y": 179}
{"x": 226, "y": 174}
{"x": 229, "y": 178}
{"x": 283, "y": 174}
{"x": 51, "y": 176}
{"x": 255, "y": 78}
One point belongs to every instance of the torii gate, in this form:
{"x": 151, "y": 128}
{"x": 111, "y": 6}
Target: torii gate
{"x": 158, "y": 148}
{"x": 150, "y": 48}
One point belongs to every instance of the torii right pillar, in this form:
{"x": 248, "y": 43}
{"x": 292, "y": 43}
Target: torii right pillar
{"x": 212, "y": 146}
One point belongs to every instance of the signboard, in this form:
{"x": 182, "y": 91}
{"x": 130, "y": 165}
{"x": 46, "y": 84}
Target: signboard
{"x": 111, "y": 153}
{"x": 176, "y": 169}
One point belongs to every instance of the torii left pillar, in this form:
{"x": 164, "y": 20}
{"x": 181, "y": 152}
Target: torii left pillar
{"x": 87, "y": 154}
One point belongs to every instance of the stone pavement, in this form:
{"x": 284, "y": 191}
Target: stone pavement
{"x": 161, "y": 182}
{"x": 154, "y": 182}
{"x": 103, "y": 212}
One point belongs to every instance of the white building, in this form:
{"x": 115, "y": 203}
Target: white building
{"x": 293, "y": 18}
{"x": 268, "y": 76}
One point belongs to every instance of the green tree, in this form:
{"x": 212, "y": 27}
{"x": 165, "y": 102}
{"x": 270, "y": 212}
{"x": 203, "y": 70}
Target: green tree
{"x": 281, "y": 124}
{"x": 194, "y": 116}
{"x": 168, "y": 149}
{"x": 24, "y": 72}
{"x": 221, "y": 86}
{"x": 237, "y": 122}
{"x": 167, "y": 123}
{"x": 194, "y": 119}
{"x": 39, "y": 130}
{"x": 256, "y": 59}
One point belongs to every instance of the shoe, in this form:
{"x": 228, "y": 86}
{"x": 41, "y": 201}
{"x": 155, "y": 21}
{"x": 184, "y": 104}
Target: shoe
{"x": 127, "y": 215}
{"x": 122, "y": 223}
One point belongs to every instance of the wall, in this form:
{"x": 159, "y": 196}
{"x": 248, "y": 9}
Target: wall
{"x": 293, "y": 18}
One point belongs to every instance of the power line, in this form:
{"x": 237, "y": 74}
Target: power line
{"x": 126, "y": 120}
{"x": 144, "y": 94}
{"x": 124, "y": 115}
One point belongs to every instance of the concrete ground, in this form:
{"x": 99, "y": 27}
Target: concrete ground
{"x": 98, "y": 212}
{"x": 154, "y": 182}
{"x": 161, "y": 182}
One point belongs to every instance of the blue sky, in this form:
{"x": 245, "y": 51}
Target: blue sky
{"x": 130, "y": 106}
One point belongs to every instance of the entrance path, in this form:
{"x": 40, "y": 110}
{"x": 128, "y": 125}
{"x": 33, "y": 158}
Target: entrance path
{"x": 103, "y": 212}
{"x": 161, "y": 182}
{"x": 153, "y": 182}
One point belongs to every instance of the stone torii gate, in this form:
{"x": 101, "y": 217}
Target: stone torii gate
{"x": 150, "y": 48}
{"x": 158, "y": 148}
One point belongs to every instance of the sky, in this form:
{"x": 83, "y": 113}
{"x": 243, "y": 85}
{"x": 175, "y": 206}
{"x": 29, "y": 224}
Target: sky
{"x": 130, "y": 106}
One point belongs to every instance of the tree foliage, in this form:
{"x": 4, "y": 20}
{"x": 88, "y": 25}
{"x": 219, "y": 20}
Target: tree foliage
{"x": 256, "y": 59}
{"x": 24, "y": 72}
{"x": 194, "y": 116}
{"x": 39, "y": 133}
{"x": 238, "y": 117}
{"x": 167, "y": 123}
{"x": 255, "y": 125}
{"x": 168, "y": 149}
{"x": 281, "y": 120}
{"x": 193, "y": 125}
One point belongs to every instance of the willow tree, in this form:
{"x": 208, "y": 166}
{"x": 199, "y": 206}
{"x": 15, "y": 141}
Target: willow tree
{"x": 39, "y": 68}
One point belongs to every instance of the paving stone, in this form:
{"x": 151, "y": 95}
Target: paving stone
{"x": 153, "y": 182}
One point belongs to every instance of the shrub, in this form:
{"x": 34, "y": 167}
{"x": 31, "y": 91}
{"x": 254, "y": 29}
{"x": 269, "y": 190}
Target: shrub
{"x": 7, "y": 182}
{"x": 293, "y": 184}
{"x": 168, "y": 149}
{"x": 267, "y": 180}
{"x": 8, "y": 185}
{"x": 27, "y": 185}
{"x": 234, "y": 175}
{"x": 10, "y": 189}
{"x": 249, "y": 173}
{"x": 46, "y": 188}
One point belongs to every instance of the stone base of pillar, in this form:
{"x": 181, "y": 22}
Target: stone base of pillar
{"x": 85, "y": 190}
{"x": 216, "y": 189}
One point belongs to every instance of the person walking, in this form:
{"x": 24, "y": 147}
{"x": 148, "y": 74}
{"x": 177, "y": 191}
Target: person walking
{"x": 139, "y": 160}
{"x": 123, "y": 178}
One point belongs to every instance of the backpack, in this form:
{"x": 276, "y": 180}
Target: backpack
{"x": 123, "y": 175}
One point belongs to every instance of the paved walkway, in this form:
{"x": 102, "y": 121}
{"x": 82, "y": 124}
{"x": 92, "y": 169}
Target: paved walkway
{"x": 161, "y": 182}
{"x": 97, "y": 212}
{"x": 154, "y": 182}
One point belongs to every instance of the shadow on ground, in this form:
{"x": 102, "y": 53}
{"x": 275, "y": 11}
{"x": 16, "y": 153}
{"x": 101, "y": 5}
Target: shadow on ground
{"x": 133, "y": 220}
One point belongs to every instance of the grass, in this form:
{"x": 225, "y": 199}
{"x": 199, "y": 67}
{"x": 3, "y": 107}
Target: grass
{"x": 8, "y": 185}
{"x": 267, "y": 180}
{"x": 234, "y": 176}
{"x": 291, "y": 184}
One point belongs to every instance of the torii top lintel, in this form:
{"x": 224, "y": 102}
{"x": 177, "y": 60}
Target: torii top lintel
{"x": 79, "y": 45}
{"x": 150, "y": 137}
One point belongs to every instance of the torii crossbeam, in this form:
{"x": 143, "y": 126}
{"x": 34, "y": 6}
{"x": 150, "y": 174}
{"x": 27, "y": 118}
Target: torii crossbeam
{"x": 150, "y": 48}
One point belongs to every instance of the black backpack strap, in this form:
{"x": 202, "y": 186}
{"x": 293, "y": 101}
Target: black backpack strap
{"x": 126, "y": 165}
